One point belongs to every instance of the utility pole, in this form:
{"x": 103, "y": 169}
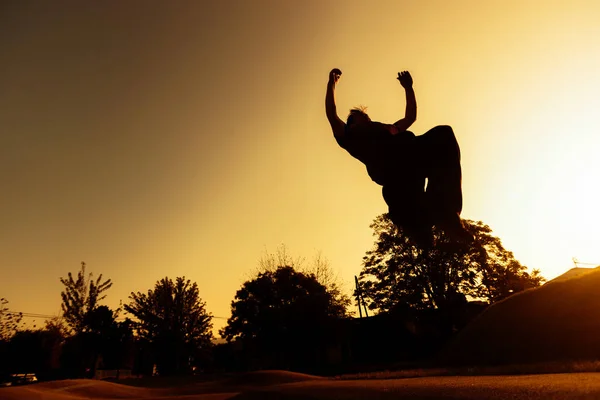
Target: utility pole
{"x": 359, "y": 298}
{"x": 577, "y": 263}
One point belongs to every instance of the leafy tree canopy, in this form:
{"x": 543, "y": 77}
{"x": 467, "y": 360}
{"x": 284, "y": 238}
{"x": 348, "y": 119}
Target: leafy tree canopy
{"x": 9, "y": 321}
{"x": 278, "y": 303}
{"x": 80, "y": 296}
{"x": 397, "y": 274}
{"x": 319, "y": 267}
{"x": 173, "y": 317}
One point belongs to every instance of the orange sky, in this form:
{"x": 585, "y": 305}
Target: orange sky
{"x": 154, "y": 139}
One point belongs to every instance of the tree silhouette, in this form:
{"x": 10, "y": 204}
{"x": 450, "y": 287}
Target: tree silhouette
{"x": 107, "y": 339}
{"x": 173, "y": 318}
{"x": 9, "y": 321}
{"x": 319, "y": 267}
{"x": 57, "y": 326}
{"x": 35, "y": 351}
{"x": 81, "y": 296}
{"x": 100, "y": 320}
{"x": 397, "y": 274}
{"x": 283, "y": 314}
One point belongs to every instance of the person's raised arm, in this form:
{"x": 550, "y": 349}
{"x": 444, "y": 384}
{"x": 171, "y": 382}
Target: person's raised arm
{"x": 410, "y": 114}
{"x": 337, "y": 125}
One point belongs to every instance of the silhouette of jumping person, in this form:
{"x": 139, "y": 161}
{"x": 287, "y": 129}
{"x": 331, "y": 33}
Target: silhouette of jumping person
{"x": 401, "y": 163}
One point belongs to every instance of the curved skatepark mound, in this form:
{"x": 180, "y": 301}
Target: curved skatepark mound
{"x": 269, "y": 377}
{"x": 559, "y": 321}
{"x": 74, "y": 389}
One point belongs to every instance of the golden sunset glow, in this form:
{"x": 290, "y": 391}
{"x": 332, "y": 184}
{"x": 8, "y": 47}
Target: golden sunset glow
{"x": 170, "y": 139}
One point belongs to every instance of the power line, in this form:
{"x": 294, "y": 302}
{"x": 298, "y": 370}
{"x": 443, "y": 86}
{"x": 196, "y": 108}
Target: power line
{"x": 30, "y": 315}
{"x": 577, "y": 262}
{"x": 36, "y": 315}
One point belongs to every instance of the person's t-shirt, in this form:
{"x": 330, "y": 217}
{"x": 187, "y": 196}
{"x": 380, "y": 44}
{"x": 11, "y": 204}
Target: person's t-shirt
{"x": 384, "y": 154}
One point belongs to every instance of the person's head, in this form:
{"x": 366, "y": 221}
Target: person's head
{"x": 357, "y": 116}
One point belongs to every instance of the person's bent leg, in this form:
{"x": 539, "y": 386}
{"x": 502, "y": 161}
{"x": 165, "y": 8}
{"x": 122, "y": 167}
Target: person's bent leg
{"x": 407, "y": 212}
{"x": 440, "y": 152}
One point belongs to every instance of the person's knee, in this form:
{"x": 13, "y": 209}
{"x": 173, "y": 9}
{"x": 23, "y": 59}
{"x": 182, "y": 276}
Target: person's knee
{"x": 446, "y": 132}
{"x": 443, "y": 128}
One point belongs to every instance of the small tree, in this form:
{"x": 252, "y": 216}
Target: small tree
{"x": 320, "y": 268}
{"x": 81, "y": 296}
{"x": 9, "y": 321}
{"x": 173, "y": 318}
{"x": 36, "y": 351}
{"x": 105, "y": 339}
{"x": 284, "y": 315}
{"x": 57, "y": 326}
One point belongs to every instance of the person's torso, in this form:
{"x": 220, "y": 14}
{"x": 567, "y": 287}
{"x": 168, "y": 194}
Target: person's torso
{"x": 384, "y": 151}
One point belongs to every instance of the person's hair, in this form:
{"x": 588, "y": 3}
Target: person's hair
{"x": 361, "y": 110}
